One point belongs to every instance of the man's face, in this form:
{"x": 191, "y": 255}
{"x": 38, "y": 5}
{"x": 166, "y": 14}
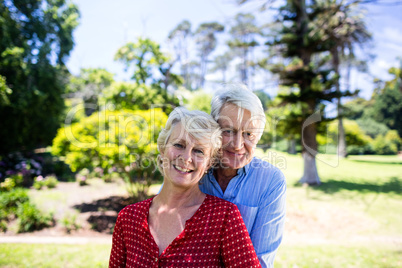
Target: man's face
{"x": 239, "y": 136}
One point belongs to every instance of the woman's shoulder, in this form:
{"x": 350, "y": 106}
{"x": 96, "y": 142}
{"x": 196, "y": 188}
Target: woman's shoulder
{"x": 137, "y": 208}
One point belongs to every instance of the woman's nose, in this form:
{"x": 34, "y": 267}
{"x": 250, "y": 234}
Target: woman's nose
{"x": 186, "y": 155}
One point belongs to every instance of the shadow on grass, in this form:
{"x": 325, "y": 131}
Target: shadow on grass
{"x": 393, "y": 185}
{"x": 377, "y": 162}
{"x": 103, "y": 212}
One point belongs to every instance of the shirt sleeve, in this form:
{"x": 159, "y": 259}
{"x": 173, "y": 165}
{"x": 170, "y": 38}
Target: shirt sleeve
{"x": 118, "y": 253}
{"x": 237, "y": 248}
{"x": 267, "y": 230}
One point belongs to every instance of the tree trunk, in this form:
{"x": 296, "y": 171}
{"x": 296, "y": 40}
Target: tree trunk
{"x": 310, "y": 174}
{"x": 292, "y": 146}
{"x": 342, "y": 152}
{"x": 342, "y": 148}
{"x": 310, "y": 148}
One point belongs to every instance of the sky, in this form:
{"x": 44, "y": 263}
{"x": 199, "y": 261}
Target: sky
{"x": 107, "y": 25}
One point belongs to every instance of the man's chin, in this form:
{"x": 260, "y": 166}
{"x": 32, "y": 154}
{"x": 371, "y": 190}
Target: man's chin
{"x": 233, "y": 163}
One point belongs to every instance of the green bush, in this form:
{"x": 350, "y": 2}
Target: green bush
{"x": 12, "y": 182}
{"x": 70, "y": 223}
{"x": 82, "y": 177}
{"x": 7, "y": 185}
{"x": 9, "y": 201}
{"x": 51, "y": 182}
{"x": 116, "y": 141}
{"x": 48, "y": 181}
{"x": 16, "y": 204}
{"x": 30, "y": 218}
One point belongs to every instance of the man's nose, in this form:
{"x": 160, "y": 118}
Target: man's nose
{"x": 238, "y": 141}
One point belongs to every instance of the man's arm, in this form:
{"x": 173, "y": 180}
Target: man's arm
{"x": 267, "y": 230}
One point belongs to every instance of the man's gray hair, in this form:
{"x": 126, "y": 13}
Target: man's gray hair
{"x": 241, "y": 96}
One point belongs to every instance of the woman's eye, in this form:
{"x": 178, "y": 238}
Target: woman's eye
{"x": 178, "y": 145}
{"x": 197, "y": 151}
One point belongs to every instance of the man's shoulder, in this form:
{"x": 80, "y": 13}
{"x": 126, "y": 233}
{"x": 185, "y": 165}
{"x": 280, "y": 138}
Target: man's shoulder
{"x": 262, "y": 166}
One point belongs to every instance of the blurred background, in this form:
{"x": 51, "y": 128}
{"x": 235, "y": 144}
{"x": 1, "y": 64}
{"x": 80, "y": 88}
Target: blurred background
{"x": 85, "y": 88}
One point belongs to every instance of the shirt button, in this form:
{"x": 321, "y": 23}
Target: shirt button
{"x": 156, "y": 259}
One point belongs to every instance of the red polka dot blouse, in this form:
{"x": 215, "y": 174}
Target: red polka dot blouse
{"x": 214, "y": 237}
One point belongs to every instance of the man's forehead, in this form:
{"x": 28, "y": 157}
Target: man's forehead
{"x": 246, "y": 122}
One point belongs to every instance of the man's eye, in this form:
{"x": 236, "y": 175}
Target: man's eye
{"x": 227, "y": 131}
{"x": 249, "y": 135}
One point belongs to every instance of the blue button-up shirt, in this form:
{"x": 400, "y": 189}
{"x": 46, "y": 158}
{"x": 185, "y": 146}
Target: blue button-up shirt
{"x": 258, "y": 190}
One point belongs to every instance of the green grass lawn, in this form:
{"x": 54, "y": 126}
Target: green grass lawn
{"x": 49, "y": 255}
{"x": 353, "y": 219}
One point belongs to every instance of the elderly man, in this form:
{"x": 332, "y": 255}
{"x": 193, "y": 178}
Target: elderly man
{"x": 255, "y": 186}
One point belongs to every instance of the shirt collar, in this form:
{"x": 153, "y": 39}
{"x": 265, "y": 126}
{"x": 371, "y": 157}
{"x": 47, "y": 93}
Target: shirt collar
{"x": 244, "y": 170}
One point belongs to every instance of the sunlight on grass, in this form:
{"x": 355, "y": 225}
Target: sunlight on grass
{"x": 48, "y": 255}
{"x": 322, "y": 256}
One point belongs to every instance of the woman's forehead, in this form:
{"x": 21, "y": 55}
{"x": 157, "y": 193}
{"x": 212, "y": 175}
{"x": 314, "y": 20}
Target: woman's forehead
{"x": 179, "y": 133}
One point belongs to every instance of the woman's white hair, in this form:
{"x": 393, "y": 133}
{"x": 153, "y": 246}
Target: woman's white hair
{"x": 200, "y": 125}
{"x": 241, "y": 96}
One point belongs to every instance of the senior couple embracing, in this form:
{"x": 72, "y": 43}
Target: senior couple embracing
{"x": 219, "y": 206}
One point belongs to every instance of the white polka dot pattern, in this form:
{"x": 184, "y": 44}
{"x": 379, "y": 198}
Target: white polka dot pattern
{"x": 214, "y": 237}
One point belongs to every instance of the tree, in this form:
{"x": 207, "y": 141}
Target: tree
{"x": 36, "y": 38}
{"x": 89, "y": 85}
{"x": 221, "y": 63}
{"x": 179, "y": 37}
{"x": 131, "y": 96}
{"x": 206, "y": 42}
{"x": 343, "y": 27}
{"x": 151, "y": 67}
{"x": 305, "y": 72}
{"x": 387, "y": 107}
{"x": 243, "y": 41}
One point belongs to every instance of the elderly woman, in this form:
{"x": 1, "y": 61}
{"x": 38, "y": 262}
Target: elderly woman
{"x": 181, "y": 226}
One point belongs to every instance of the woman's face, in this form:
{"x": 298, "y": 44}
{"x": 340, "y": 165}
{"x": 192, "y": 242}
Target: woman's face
{"x": 185, "y": 159}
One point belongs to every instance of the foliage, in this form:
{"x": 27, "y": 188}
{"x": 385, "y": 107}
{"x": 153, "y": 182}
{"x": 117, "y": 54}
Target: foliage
{"x": 121, "y": 141}
{"x": 354, "y": 134}
{"x": 388, "y": 144}
{"x": 36, "y": 39}
{"x": 49, "y": 182}
{"x": 200, "y": 100}
{"x": 371, "y": 127}
{"x": 206, "y": 42}
{"x": 387, "y": 107}
{"x": 179, "y": 37}
{"x": 16, "y": 203}
{"x": 30, "y": 218}
{"x": 89, "y": 85}
{"x": 69, "y": 222}
{"x": 82, "y": 177}
{"x": 21, "y": 169}
{"x": 132, "y": 96}
{"x": 9, "y": 201}
{"x": 243, "y": 40}
{"x": 146, "y": 58}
